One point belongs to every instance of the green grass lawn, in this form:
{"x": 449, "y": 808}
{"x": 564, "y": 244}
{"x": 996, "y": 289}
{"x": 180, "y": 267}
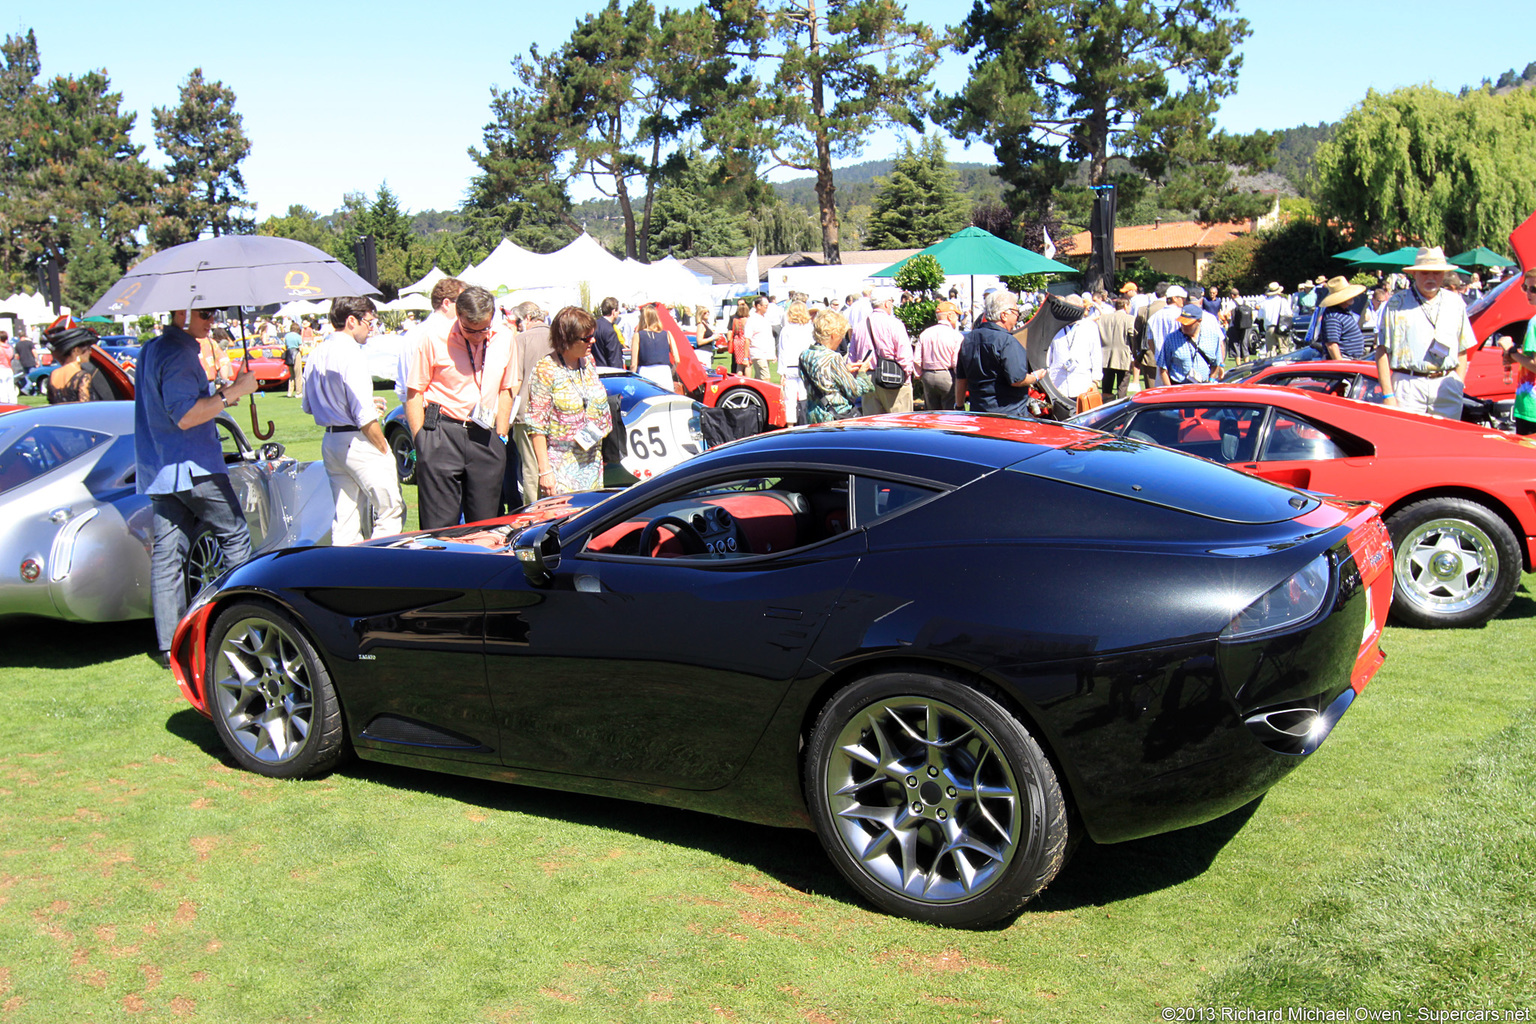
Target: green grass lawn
{"x": 143, "y": 878}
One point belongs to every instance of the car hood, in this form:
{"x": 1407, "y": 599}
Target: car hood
{"x": 496, "y": 534}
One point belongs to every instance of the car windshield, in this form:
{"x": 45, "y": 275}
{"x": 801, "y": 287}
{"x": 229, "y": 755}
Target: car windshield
{"x": 43, "y": 449}
{"x": 1490, "y": 297}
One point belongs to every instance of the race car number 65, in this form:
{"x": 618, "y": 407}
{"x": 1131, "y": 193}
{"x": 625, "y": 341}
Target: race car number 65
{"x": 650, "y": 444}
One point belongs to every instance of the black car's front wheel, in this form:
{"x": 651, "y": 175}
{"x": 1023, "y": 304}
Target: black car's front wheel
{"x": 404, "y": 451}
{"x": 1456, "y": 563}
{"x": 270, "y": 694}
{"x": 934, "y": 800}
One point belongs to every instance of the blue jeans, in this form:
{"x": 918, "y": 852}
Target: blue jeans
{"x": 179, "y": 517}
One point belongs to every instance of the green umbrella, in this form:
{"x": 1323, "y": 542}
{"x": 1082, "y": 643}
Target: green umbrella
{"x": 1481, "y": 257}
{"x": 1355, "y": 255}
{"x": 1397, "y": 259}
{"x": 976, "y": 251}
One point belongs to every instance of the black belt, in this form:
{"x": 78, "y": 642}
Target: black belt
{"x": 341, "y": 430}
{"x": 1431, "y": 374}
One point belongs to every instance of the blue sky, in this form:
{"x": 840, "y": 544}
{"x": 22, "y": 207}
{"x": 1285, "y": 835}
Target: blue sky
{"x": 340, "y": 97}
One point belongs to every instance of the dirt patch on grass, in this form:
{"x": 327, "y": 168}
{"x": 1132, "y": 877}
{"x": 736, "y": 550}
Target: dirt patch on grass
{"x": 555, "y": 993}
{"x": 186, "y": 912}
{"x": 204, "y": 845}
{"x": 181, "y": 1006}
{"x": 949, "y": 960}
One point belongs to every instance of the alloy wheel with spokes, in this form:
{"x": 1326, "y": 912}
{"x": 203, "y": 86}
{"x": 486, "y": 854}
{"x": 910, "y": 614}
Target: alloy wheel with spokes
{"x": 205, "y": 562}
{"x": 934, "y": 800}
{"x": 270, "y": 695}
{"x": 1455, "y": 563}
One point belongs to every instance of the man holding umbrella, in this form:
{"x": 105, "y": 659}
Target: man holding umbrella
{"x": 180, "y": 463}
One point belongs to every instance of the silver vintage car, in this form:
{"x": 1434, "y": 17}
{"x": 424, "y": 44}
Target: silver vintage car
{"x": 74, "y": 535}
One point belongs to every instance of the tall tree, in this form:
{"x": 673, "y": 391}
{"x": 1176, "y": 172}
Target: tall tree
{"x": 611, "y": 104}
{"x": 839, "y": 69}
{"x": 687, "y": 219}
{"x": 75, "y": 170}
{"x": 920, "y": 202}
{"x": 1423, "y": 165}
{"x": 19, "y": 68}
{"x": 1058, "y": 81}
{"x": 304, "y": 225}
{"x": 204, "y": 188}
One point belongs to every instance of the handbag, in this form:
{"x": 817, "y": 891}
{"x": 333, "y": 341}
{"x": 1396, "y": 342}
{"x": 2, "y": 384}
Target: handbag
{"x": 889, "y": 374}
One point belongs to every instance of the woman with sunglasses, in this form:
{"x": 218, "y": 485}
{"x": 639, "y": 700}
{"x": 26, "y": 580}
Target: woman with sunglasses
{"x": 1524, "y": 361}
{"x": 568, "y": 414}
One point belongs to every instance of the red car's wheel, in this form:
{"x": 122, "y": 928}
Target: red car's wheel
{"x": 1456, "y": 563}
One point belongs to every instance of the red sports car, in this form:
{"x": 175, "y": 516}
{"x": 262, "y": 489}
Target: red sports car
{"x": 717, "y": 389}
{"x": 266, "y": 363}
{"x": 1457, "y": 497}
{"x": 1504, "y": 310}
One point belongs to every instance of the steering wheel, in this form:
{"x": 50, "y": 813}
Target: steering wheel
{"x": 693, "y": 543}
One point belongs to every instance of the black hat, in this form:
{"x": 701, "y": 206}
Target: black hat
{"x": 65, "y": 338}
{"x": 1061, "y": 309}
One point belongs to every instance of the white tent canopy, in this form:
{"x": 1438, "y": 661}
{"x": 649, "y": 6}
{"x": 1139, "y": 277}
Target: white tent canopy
{"x": 30, "y": 309}
{"x": 425, "y": 284}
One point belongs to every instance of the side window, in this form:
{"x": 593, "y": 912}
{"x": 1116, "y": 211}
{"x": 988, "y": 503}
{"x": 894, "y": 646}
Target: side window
{"x": 1369, "y": 390}
{"x": 1222, "y": 433}
{"x": 1326, "y": 383}
{"x": 1293, "y": 439}
{"x": 875, "y": 499}
{"x": 42, "y": 449}
{"x": 756, "y": 515}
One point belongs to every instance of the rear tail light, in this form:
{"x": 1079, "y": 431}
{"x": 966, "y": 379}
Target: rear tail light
{"x": 1296, "y": 600}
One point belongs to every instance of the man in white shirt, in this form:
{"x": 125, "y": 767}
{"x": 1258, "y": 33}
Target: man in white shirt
{"x": 760, "y": 348}
{"x": 338, "y": 393}
{"x": 1272, "y": 308}
{"x": 435, "y": 327}
{"x": 1162, "y": 324}
{"x": 1073, "y": 354}
{"x": 857, "y": 310}
{"x": 1423, "y": 338}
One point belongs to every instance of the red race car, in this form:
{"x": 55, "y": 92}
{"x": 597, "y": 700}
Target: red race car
{"x": 1504, "y": 310}
{"x": 266, "y": 363}
{"x": 717, "y": 389}
{"x": 1456, "y": 496}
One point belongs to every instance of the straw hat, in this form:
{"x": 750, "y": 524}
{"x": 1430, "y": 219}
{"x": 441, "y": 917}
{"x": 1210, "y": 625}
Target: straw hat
{"x": 1427, "y": 259}
{"x": 1273, "y": 289}
{"x": 1340, "y": 290}
{"x": 1320, "y": 280}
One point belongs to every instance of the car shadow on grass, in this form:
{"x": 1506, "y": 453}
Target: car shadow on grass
{"x": 50, "y": 644}
{"x": 1096, "y": 875}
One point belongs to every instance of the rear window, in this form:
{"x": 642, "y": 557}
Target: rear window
{"x": 1146, "y": 472}
{"x": 43, "y": 449}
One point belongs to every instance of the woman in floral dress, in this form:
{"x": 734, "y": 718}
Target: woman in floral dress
{"x": 832, "y": 385}
{"x": 568, "y": 413}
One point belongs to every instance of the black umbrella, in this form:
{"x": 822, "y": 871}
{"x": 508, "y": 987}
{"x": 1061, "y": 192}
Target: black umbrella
{"x": 232, "y": 270}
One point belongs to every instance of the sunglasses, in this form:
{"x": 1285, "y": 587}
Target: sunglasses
{"x": 207, "y": 314}
{"x": 1530, "y": 288}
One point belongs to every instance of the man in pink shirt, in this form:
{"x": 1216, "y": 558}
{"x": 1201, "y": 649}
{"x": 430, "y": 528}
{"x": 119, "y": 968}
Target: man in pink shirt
{"x": 937, "y": 348}
{"x": 883, "y": 337}
{"x": 458, "y": 401}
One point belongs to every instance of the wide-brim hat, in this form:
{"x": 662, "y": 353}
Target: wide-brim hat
{"x": 1429, "y": 258}
{"x": 1273, "y": 289}
{"x": 1339, "y": 291}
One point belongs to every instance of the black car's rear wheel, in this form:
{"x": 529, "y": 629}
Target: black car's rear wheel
{"x": 270, "y": 694}
{"x": 1455, "y": 563}
{"x": 934, "y": 800}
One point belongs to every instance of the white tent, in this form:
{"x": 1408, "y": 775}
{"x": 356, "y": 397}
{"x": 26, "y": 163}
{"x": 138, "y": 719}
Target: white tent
{"x": 30, "y": 309}
{"x": 304, "y": 307}
{"x": 425, "y": 284}
{"x": 504, "y": 270}
{"x": 412, "y": 302}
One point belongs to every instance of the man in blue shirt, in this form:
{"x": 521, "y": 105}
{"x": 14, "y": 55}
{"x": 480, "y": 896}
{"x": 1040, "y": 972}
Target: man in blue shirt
{"x": 991, "y": 368}
{"x": 1192, "y": 354}
{"x": 180, "y": 463}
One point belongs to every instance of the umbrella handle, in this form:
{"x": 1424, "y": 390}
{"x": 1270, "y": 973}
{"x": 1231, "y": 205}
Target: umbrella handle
{"x": 255, "y": 429}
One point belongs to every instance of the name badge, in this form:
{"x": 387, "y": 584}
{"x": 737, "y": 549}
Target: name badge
{"x": 1436, "y": 354}
{"x": 587, "y": 436}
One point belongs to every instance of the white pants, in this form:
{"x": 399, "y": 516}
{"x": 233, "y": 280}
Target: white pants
{"x": 361, "y": 475}
{"x": 7, "y": 386}
{"x": 1437, "y": 396}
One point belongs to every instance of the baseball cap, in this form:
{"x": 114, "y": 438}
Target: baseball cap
{"x": 1176, "y": 292}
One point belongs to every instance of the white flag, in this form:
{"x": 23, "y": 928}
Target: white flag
{"x": 1050, "y": 246}
{"x": 753, "y": 274}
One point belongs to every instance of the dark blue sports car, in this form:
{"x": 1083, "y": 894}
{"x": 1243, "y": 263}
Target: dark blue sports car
{"x": 945, "y": 642}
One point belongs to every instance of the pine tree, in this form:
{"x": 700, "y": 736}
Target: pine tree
{"x": 18, "y": 73}
{"x": 920, "y": 202}
{"x": 204, "y": 189}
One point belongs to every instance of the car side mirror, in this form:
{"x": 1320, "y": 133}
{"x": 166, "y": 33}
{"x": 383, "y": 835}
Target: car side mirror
{"x": 538, "y": 551}
{"x": 271, "y": 451}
